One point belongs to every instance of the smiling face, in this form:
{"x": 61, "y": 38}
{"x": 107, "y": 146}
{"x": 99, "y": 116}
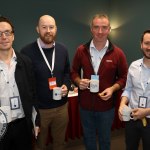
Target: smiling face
{"x": 100, "y": 28}
{"x": 6, "y": 36}
{"x": 145, "y": 45}
{"x": 47, "y": 29}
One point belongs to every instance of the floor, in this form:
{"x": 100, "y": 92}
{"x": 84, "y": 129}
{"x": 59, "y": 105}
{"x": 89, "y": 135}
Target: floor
{"x": 117, "y": 142}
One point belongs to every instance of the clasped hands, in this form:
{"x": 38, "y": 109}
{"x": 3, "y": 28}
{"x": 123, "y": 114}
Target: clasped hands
{"x": 136, "y": 113}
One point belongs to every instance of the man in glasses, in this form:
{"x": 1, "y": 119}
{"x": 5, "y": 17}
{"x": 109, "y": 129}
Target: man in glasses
{"x": 17, "y": 94}
{"x": 106, "y": 64}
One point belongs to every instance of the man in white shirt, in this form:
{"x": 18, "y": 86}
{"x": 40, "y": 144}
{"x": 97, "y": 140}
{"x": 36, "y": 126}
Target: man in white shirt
{"x": 17, "y": 94}
{"x": 137, "y": 96}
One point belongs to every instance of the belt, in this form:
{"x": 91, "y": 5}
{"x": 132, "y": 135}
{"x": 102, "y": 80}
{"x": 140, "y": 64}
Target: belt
{"x": 139, "y": 120}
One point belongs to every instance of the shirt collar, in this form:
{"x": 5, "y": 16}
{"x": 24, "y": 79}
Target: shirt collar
{"x": 14, "y": 57}
{"x": 93, "y": 46}
{"x": 142, "y": 63}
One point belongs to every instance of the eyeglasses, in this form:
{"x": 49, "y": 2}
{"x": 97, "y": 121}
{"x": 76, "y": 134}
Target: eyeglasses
{"x": 6, "y": 33}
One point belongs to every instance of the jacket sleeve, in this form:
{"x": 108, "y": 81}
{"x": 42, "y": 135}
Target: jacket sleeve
{"x": 122, "y": 69}
{"x": 67, "y": 81}
{"x": 32, "y": 86}
{"x": 76, "y": 67}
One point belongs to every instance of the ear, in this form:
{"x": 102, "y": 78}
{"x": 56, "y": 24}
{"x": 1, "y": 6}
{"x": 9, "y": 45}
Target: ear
{"x": 109, "y": 29}
{"x": 37, "y": 29}
{"x": 56, "y": 28}
{"x": 13, "y": 37}
{"x": 141, "y": 46}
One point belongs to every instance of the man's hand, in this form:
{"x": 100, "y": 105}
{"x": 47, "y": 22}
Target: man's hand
{"x": 83, "y": 84}
{"x": 139, "y": 113}
{"x": 120, "y": 111}
{"x": 64, "y": 90}
{"x": 36, "y": 131}
{"x": 106, "y": 94}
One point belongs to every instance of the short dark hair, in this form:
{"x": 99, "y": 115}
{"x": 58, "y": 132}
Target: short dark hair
{"x": 4, "y": 19}
{"x": 146, "y": 31}
{"x": 100, "y": 16}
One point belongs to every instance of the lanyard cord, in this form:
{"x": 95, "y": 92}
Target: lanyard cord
{"x": 53, "y": 57}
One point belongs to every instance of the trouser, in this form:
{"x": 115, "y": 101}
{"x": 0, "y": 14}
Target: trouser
{"x": 134, "y": 131}
{"x": 17, "y": 137}
{"x": 55, "y": 119}
{"x": 100, "y": 122}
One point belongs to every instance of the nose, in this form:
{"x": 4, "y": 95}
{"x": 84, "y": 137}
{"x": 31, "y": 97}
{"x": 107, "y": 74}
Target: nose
{"x": 100, "y": 30}
{"x": 3, "y": 35}
{"x": 48, "y": 29}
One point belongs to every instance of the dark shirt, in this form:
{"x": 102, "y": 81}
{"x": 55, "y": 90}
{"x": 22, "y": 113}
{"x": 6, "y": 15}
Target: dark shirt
{"x": 42, "y": 72}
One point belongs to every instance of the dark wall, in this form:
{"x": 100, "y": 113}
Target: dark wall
{"x": 128, "y": 19}
{"x": 72, "y": 18}
{"x": 133, "y": 18}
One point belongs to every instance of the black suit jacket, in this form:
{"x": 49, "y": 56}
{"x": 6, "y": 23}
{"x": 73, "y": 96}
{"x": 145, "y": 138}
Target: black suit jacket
{"x": 26, "y": 85}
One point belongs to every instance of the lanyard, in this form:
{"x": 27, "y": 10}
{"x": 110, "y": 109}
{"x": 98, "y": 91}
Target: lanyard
{"x": 53, "y": 57}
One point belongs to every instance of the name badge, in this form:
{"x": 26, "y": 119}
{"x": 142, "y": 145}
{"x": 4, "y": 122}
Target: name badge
{"x": 142, "y": 101}
{"x": 94, "y": 77}
{"x": 52, "y": 83}
{"x": 14, "y": 102}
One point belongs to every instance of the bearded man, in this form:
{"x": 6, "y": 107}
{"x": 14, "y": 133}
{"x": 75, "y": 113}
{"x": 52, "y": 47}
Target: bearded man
{"x": 52, "y": 69}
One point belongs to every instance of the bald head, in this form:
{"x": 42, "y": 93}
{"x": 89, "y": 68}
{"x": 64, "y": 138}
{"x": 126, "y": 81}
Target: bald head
{"x": 46, "y": 19}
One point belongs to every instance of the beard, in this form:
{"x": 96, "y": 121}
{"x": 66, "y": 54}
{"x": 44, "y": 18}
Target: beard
{"x": 146, "y": 54}
{"x": 48, "y": 38}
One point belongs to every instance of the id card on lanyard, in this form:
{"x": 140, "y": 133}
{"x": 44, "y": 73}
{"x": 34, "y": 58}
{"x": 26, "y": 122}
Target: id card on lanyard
{"x": 51, "y": 81}
{"x": 142, "y": 102}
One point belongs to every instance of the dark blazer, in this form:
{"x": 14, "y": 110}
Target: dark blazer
{"x": 26, "y": 85}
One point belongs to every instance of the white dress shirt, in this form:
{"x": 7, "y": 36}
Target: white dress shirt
{"x": 8, "y": 89}
{"x": 97, "y": 55}
{"x": 138, "y": 84}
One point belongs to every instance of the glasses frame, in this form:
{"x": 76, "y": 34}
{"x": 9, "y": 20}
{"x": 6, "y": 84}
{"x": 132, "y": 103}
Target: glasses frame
{"x": 7, "y": 33}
